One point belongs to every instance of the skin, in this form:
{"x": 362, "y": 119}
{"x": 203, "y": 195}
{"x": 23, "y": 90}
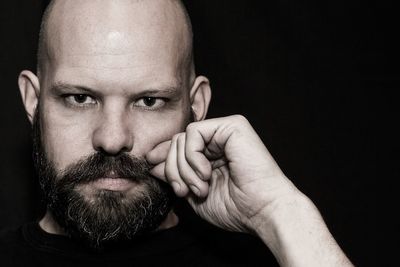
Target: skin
{"x": 120, "y": 49}
{"x": 116, "y": 61}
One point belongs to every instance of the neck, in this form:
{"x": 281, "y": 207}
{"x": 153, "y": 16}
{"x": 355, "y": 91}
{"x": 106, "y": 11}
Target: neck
{"x": 49, "y": 225}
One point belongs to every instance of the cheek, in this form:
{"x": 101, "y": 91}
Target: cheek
{"x": 156, "y": 131}
{"x": 65, "y": 140}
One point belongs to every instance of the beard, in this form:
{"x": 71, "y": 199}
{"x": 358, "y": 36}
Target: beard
{"x": 103, "y": 217}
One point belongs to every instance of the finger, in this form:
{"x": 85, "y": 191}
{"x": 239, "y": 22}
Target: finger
{"x": 198, "y": 135}
{"x": 159, "y": 153}
{"x": 219, "y": 163}
{"x": 189, "y": 176}
{"x": 210, "y": 139}
{"x": 171, "y": 170}
{"x": 158, "y": 171}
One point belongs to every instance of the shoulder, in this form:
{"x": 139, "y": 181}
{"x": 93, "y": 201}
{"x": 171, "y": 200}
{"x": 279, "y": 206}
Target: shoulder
{"x": 10, "y": 236}
{"x": 10, "y": 243}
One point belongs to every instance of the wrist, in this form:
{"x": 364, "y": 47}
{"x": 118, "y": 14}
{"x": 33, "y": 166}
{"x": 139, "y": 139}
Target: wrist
{"x": 272, "y": 222}
{"x": 296, "y": 234}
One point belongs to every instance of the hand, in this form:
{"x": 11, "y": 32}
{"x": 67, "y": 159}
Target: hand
{"x": 230, "y": 179}
{"x": 224, "y": 170}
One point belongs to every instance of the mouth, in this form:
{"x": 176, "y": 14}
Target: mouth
{"x": 113, "y": 184}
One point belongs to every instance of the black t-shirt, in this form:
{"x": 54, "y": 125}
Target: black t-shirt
{"x": 181, "y": 245}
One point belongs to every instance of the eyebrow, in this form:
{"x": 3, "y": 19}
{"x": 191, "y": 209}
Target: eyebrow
{"x": 61, "y": 87}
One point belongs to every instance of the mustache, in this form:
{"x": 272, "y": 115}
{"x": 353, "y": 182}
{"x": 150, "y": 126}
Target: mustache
{"x": 99, "y": 165}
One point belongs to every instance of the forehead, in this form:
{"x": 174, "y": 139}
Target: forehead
{"x": 116, "y": 38}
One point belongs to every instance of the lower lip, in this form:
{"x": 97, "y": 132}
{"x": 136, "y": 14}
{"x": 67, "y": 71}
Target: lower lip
{"x": 113, "y": 184}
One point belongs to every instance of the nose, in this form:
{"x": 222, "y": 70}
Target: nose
{"x": 112, "y": 134}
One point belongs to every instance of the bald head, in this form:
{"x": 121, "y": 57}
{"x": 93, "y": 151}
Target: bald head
{"x": 133, "y": 28}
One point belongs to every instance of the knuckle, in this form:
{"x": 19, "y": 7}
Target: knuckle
{"x": 191, "y": 127}
{"x": 240, "y": 119}
{"x": 181, "y": 137}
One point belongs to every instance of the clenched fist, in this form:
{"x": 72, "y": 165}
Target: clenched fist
{"x": 222, "y": 167}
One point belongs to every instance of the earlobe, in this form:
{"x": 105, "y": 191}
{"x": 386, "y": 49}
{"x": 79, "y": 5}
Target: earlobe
{"x": 200, "y": 96}
{"x": 29, "y": 88}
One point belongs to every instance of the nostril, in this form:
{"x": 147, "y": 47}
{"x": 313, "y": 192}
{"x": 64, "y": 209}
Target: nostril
{"x": 113, "y": 152}
{"x": 113, "y": 134}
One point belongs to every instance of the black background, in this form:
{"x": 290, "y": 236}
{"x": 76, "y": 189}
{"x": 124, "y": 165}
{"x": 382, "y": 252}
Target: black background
{"x": 307, "y": 74}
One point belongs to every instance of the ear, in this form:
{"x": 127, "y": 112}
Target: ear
{"x": 30, "y": 88}
{"x": 200, "y": 96}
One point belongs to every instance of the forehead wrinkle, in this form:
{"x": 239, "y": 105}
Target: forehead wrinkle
{"x": 104, "y": 64}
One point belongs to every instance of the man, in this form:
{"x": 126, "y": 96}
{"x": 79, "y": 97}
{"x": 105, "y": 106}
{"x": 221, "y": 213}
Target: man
{"x": 119, "y": 128}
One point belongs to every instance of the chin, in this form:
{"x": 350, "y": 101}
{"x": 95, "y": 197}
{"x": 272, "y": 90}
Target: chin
{"x": 102, "y": 217}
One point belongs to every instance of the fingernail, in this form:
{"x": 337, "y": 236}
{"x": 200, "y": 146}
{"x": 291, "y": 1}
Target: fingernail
{"x": 195, "y": 190}
{"x": 176, "y": 186}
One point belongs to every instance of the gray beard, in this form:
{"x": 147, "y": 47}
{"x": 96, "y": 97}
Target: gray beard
{"x": 106, "y": 217}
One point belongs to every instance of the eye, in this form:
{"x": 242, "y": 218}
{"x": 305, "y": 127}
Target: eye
{"x": 80, "y": 100}
{"x": 150, "y": 102}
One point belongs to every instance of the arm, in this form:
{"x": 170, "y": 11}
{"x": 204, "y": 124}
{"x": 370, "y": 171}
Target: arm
{"x": 298, "y": 235}
{"x": 230, "y": 179}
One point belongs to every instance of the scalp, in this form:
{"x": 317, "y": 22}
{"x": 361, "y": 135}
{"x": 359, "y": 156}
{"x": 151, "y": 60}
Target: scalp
{"x": 113, "y": 27}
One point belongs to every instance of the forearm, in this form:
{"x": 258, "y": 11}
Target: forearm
{"x": 297, "y": 235}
